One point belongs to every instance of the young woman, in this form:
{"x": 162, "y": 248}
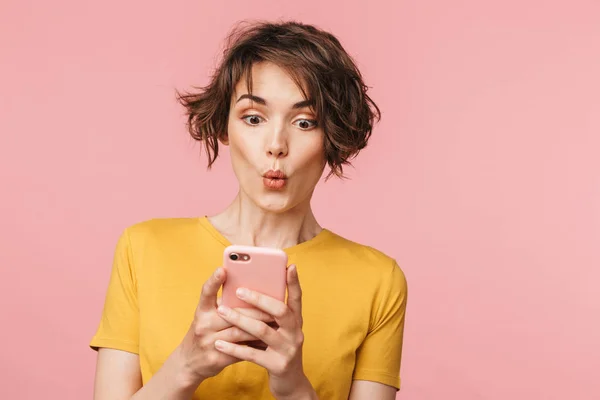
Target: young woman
{"x": 289, "y": 102}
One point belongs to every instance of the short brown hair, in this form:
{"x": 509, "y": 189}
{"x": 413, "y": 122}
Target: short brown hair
{"x": 316, "y": 61}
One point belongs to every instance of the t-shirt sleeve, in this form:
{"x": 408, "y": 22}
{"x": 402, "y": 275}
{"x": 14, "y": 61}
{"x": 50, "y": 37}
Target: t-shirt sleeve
{"x": 119, "y": 323}
{"x": 378, "y": 358}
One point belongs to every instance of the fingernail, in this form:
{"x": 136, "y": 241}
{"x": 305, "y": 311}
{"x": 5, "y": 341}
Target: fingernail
{"x": 223, "y": 310}
{"x": 293, "y": 269}
{"x": 218, "y": 273}
{"x": 219, "y": 344}
{"x": 242, "y": 293}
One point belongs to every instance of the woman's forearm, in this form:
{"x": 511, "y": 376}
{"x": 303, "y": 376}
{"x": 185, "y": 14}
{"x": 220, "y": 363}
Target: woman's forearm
{"x": 305, "y": 391}
{"x": 172, "y": 381}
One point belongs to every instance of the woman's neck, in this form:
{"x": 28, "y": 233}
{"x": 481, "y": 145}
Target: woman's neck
{"x": 245, "y": 223}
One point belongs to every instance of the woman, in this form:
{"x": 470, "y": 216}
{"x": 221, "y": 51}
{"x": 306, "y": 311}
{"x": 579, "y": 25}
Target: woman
{"x": 288, "y": 101}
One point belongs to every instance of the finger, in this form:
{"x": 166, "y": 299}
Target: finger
{"x": 235, "y": 335}
{"x": 257, "y": 328}
{"x": 218, "y": 323}
{"x": 246, "y": 353}
{"x": 251, "y": 312}
{"x": 214, "y": 323}
{"x": 208, "y": 297}
{"x": 294, "y": 300}
{"x": 278, "y": 309}
{"x": 255, "y": 313}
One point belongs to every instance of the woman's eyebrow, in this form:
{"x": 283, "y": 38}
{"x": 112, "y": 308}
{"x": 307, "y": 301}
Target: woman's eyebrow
{"x": 260, "y": 100}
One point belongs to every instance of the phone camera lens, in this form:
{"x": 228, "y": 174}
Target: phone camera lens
{"x": 233, "y": 256}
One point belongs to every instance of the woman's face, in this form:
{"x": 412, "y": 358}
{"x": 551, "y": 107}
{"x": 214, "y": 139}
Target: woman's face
{"x": 275, "y": 144}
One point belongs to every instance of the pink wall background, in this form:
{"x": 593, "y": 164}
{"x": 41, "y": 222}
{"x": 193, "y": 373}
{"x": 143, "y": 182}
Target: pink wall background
{"x": 483, "y": 178}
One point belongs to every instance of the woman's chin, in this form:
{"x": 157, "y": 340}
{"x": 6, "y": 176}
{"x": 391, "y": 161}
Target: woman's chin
{"x": 274, "y": 208}
{"x": 274, "y": 204}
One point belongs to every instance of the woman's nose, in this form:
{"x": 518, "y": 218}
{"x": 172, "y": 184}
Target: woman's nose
{"x": 277, "y": 145}
{"x": 277, "y": 151}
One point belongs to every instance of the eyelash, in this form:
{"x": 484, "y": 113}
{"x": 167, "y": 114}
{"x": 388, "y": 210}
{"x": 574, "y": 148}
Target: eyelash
{"x": 312, "y": 121}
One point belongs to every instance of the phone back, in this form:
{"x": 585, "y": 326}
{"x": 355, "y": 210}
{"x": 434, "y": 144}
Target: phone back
{"x": 257, "y": 268}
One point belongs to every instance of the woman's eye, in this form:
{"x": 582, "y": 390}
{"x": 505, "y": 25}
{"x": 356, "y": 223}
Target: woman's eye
{"x": 306, "y": 123}
{"x": 252, "y": 119}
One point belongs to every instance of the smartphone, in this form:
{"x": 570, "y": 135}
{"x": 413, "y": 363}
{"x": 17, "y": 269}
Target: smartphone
{"x": 260, "y": 269}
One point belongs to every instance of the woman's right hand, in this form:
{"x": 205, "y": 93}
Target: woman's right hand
{"x": 197, "y": 350}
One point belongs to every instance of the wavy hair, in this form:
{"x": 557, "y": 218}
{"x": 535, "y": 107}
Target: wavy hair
{"x": 318, "y": 64}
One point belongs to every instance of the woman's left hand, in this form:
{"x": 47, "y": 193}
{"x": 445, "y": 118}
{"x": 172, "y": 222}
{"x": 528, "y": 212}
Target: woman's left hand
{"x": 283, "y": 356}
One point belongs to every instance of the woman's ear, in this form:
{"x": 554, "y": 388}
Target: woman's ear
{"x": 224, "y": 139}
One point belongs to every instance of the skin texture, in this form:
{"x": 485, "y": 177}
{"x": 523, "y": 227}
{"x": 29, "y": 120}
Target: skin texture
{"x": 267, "y": 132}
{"x": 272, "y": 136}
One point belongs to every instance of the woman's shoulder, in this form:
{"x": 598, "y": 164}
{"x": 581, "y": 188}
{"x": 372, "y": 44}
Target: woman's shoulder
{"x": 360, "y": 254}
{"x": 365, "y": 263}
{"x": 357, "y": 249}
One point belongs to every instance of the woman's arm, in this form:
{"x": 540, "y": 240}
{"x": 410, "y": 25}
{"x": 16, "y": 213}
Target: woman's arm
{"x": 118, "y": 377}
{"x": 367, "y": 390}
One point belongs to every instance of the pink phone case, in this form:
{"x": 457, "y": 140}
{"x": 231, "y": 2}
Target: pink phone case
{"x": 264, "y": 271}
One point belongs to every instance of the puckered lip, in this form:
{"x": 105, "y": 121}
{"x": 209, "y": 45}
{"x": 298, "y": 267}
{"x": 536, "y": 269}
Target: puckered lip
{"x": 274, "y": 175}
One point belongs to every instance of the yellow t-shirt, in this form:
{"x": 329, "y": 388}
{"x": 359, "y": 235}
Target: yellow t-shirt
{"x": 354, "y": 301}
